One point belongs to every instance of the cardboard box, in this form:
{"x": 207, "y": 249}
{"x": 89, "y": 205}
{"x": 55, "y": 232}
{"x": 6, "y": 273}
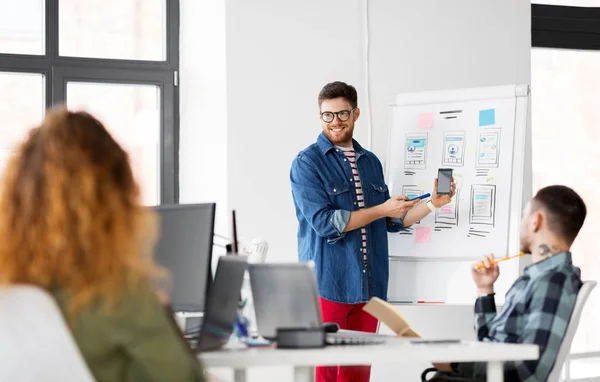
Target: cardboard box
{"x": 390, "y": 316}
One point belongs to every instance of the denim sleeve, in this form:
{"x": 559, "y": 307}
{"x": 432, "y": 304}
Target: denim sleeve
{"x": 312, "y": 201}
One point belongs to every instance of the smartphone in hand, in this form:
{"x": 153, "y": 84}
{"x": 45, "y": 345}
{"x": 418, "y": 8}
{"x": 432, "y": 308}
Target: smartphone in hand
{"x": 444, "y": 181}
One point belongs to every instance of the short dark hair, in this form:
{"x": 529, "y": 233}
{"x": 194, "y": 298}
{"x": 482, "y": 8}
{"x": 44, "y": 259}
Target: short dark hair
{"x": 565, "y": 210}
{"x": 338, "y": 89}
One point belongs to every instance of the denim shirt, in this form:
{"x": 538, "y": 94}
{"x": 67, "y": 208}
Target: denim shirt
{"x": 324, "y": 196}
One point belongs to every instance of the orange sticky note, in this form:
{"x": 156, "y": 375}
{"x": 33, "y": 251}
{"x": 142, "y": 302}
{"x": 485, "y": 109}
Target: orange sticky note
{"x": 422, "y": 234}
{"x": 425, "y": 120}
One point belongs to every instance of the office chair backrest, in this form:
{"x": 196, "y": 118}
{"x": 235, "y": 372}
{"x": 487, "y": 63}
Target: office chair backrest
{"x": 35, "y": 342}
{"x": 565, "y": 346}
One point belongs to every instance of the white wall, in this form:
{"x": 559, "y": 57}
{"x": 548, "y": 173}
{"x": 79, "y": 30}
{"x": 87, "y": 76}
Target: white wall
{"x": 203, "y": 111}
{"x": 278, "y": 56}
{"x": 437, "y": 45}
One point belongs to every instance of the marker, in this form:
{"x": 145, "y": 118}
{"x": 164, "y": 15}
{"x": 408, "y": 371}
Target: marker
{"x": 502, "y": 259}
{"x": 420, "y": 197}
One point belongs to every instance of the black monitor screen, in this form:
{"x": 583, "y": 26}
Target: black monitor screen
{"x": 185, "y": 249}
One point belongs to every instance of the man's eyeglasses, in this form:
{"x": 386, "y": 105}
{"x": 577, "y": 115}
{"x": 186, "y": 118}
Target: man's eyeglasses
{"x": 342, "y": 115}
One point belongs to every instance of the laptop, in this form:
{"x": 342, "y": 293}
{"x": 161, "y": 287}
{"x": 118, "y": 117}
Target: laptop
{"x": 286, "y": 296}
{"x": 222, "y": 304}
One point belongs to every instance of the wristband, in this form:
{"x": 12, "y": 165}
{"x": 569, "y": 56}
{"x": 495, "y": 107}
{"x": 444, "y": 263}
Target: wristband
{"x": 430, "y": 205}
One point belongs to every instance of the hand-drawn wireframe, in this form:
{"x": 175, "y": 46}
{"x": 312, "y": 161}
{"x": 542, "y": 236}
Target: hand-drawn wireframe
{"x": 488, "y": 149}
{"x": 483, "y": 204}
{"x": 482, "y": 172}
{"x": 477, "y": 232}
{"x": 412, "y": 191}
{"x": 415, "y": 151}
{"x": 454, "y": 148}
{"x": 448, "y": 214}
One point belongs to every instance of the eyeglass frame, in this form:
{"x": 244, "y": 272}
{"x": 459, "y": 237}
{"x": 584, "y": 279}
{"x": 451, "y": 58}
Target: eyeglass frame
{"x": 336, "y": 115}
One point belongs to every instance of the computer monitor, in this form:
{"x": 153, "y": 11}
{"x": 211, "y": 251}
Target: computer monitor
{"x": 185, "y": 249}
{"x": 233, "y": 249}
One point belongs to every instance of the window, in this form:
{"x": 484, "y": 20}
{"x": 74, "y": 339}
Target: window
{"x": 133, "y": 30}
{"x": 565, "y": 141}
{"x": 565, "y": 79}
{"x": 132, "y": 115}
{"x": 117, "y": 59}
{"x": 22, "y": 27}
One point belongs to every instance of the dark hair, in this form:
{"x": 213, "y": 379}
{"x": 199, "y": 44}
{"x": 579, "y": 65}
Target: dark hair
{"x": 339, "y": 89}
{"x": 565, "y": 210}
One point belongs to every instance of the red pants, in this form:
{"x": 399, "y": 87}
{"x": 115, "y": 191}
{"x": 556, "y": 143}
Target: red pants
{"x": 351, "y": 317}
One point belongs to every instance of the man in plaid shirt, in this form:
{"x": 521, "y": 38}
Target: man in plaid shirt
{"x": 538, "y": 306}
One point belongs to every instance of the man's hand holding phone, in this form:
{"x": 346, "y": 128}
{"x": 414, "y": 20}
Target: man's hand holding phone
{"x": 397, "y": 206}
{"x": 439, "y": 200}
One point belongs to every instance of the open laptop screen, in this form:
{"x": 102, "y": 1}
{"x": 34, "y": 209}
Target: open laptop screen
{"x": 285, "y": 296}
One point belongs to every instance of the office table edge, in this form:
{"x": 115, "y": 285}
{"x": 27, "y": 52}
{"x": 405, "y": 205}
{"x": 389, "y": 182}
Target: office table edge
{"x": 370, "y": 354}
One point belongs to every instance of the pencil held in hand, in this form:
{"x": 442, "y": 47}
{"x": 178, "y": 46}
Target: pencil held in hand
{"x": 502, "y": 259}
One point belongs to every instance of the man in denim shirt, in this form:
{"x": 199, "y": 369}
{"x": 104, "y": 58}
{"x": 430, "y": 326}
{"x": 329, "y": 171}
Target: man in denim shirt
{"x": 344, "y": 212}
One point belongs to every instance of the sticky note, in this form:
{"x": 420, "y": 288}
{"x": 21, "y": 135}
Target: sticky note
{"x": 422, "y": 234}
{"x": 425, "y": 120}
{"x": 487, "y": 117}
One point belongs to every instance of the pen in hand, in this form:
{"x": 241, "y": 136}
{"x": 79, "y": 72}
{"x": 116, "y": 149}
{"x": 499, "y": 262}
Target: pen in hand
{"x": 502, "y": 259}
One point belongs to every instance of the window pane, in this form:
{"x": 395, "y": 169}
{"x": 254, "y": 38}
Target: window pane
{"x": 119, "y": 29}
{"x": 22, "y": 26}
{"x": 22, "y": 105}
{"x": 132, "y": 115}
{"x": 566, "y": 137}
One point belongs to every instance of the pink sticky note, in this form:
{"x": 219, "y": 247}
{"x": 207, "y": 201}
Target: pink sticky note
{"x": 425, "y": 120}
{"x": 446, "y": 210}
{"x": 422, "y": 234}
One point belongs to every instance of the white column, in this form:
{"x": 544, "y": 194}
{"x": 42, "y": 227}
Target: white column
{"x": 495, "y": 372}
{"x": 304, "y": 374}
{"x": 239, "y": 375}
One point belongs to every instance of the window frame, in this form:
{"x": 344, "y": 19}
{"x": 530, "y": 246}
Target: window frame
{"x": 572, "y": 28}
{"x": 565, "y": 27}
{"x": 57, "y": 70}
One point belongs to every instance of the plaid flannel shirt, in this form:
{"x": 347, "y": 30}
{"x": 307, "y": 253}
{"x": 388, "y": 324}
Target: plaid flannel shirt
{"x": 536, "y": 311}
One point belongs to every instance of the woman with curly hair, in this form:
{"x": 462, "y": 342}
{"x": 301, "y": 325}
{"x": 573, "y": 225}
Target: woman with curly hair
{"x": 71, "y": 222}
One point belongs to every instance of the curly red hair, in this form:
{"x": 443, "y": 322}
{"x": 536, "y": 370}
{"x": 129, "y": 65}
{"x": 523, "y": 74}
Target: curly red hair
{"x": 70, "y": 213}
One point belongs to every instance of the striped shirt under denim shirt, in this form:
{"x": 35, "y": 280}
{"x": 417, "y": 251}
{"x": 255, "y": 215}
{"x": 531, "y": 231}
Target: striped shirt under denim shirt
{"x": 537, "y": 311}
{"x": 351, "y": 156}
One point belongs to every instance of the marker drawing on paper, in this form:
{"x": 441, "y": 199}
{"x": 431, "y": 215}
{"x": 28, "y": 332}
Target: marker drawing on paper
{"x": 454, "y": 148}
{"x": 415, "y": 151}
{"x": 488, "y": 149}
{"x": 483, "y": 204}
{"x": 448, "y": 214}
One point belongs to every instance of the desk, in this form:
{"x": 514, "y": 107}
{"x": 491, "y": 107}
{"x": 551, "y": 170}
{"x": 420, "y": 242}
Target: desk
{"x": 304, "y": 360}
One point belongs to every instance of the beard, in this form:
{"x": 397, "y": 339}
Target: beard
{"x": 339, "y": 134}
{"x": 525, "y": 244}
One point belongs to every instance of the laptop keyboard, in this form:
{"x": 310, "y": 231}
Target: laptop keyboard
{"x": 354, "y": 338}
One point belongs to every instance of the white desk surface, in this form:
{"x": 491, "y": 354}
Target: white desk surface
{"x": 397, "y": 349}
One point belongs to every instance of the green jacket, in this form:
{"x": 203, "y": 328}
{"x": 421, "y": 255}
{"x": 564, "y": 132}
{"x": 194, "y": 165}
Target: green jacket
{"x": 136, "y": 342}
